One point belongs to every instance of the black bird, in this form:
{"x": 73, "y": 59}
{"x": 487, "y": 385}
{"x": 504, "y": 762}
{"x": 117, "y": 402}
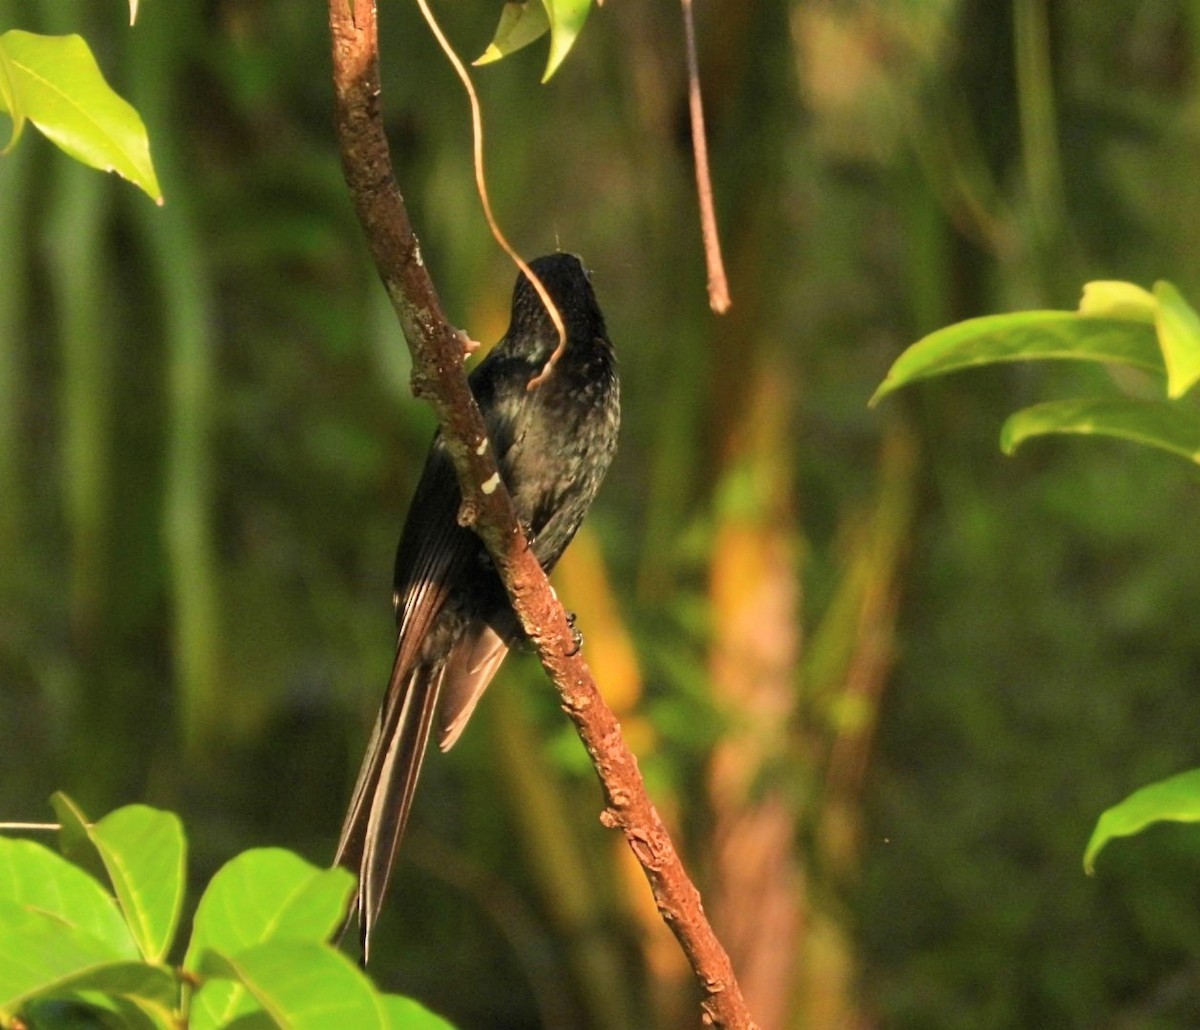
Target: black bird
{"x": 553, "y": 445}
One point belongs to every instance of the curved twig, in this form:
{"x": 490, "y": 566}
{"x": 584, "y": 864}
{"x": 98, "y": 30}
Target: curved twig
{"x": 718, "y": 285}
{"x": 464, "y": 77}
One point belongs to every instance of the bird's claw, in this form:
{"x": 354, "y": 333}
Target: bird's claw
{"x": 469, "y": 346}
{"x": 576, "y": 636}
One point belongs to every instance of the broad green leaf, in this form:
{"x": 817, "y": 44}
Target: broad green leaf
{"x": 59, "y": 87}
{"x": 1179, "y": 336}
{"x": 74, "y": 840}
{"x": 1024, "y": 336}
{"x": 1176, "y": 799}
{"x": 8, "y": 100}
{"x": 40, "y": 953}
{"x": 144, "y": 853}
{"x": 131, "y": 980}
{"x": 1170, "y": 427}
{"x": 261, "y": 895}
{"x": 302, "y": 985}
{"x": 520, "y": 24}
{"x": 152, "y": 989}
{"x": 566, "y": 22}
{"x": 406, "y": 1014}
{"x": 101, "y": 1013}
{"x": 74, "y": 827}
{"x": 220, "y": 1002}
{"x": 1112, "y": 299}
{"x": 266, "y": 894}
{"x": 135, "y": 1013}
{"x": 136, "y": 994}
{"x": 36, "y": 877}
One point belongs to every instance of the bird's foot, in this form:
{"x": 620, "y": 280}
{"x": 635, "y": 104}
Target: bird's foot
{"x": 469, "y": 346}
{"x": 576, "y": 636}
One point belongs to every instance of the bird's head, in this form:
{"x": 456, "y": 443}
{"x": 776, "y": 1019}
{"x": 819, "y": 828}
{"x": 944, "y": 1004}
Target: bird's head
{"x": 570, "y": 287}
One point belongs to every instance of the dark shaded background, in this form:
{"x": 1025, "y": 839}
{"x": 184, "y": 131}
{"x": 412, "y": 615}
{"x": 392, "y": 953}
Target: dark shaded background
{"x": 881, "y": 679}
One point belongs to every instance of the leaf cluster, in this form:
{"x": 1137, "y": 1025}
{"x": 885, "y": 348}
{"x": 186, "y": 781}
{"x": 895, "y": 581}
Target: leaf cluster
{"x": 522, "y": 23}
{"x": 1117, "y": 324}
{"x": 91, "y": 937}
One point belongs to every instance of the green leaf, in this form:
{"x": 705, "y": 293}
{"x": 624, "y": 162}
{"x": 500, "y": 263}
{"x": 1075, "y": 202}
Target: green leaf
{"x": 74, "y": 835}
{"x": 8, "y": 100}
{"x": 520, "y": 24}
{"x": 144, "y": 853}
{"x": 220, "y": 1002}
{"x": 406, "y": 1014}
{"x": 38, "y": 880}
{"x": 56, "y": 84}
{"x": 1024, "y": 336}
{"x": 302, "y": 985}
{"x": 91, "y": 1012}
{"x": 266, "y": 894}
{"x": 1112, "y": 299}
{"x": 1176, "y": 799}
{"x": 261, "y": 895}
{"x": 40, "y": 954}
{"x": 153, "y": 989}
{"x": 566, "y": 22}
{"x": 132, "y": 1012}
{"x": 132, "y": 980}
{"x": 34, "y": 876}
{"x": 1169, "y": 427}
{"x": 1179, "y": 336}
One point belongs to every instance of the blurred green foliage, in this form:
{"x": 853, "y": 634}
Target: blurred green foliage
{"x": 207, "y": 445}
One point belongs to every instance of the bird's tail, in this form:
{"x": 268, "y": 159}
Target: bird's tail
{"x": 386, "y": 785}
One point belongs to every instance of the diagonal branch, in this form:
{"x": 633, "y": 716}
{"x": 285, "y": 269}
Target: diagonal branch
{"x": 439, "y": 377}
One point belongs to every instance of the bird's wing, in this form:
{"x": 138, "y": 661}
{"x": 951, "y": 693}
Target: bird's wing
{"x": 470, "y": 669}
{"x": 435, "y": 552}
